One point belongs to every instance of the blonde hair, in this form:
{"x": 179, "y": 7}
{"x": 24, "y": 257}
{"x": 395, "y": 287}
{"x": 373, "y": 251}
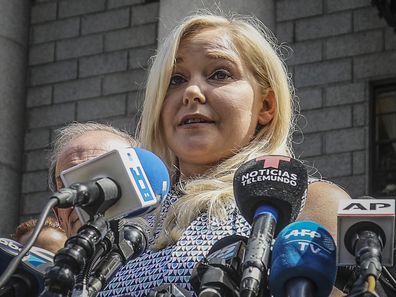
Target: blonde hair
{"x": 214, "y": 191}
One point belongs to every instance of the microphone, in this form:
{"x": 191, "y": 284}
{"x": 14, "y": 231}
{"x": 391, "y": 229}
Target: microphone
{"x": 219, "y": 274}
{"x": 28, "y": 279}
{"x": 133, "y": 170}
{"x": 131, "y": 241}
{"x": 366, "y": 237}
{"x": 269, "y": 191}
{"x": 168, "y": 290}
{"x": 303, "y": 261}
{"x": 134, "y": 181}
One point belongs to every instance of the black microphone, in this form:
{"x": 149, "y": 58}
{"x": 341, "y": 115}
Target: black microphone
{"x": 219, "y": 274}
{"x": 131, "y": 241}
{"x": 168, "y": 290}
{"x": 270, "y": 191}
{"x": 28, "y": 279}
{"x": 366, "y": 239}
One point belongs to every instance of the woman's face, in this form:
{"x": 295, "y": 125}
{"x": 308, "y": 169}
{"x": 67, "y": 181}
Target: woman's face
{"x": 213, "y": 104}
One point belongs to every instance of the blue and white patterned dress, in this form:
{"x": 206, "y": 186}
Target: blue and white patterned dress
{"x": 174, "y": 264}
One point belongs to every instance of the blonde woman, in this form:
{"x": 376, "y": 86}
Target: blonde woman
{"x": 217, "y": 96}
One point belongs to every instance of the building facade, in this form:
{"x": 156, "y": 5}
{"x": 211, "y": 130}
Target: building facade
{"x": 86, "y": 60}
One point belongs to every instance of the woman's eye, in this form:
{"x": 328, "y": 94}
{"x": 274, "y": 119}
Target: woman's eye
{"x": 220, "y": 74}
{"x": 177, "y": 79}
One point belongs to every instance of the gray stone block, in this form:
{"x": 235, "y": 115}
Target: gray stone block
{"x": 34, "y": 182}
{"x": 345, "y": 94}
{"x": 360, "y": 116}
{"x": 285, "y": 32}
{"x": 123, "y": 82}
{"x": 77, "y": 89}
{"x": 375, "y": 65}
{"x": 104, "y": 63}
{"x": 143, "y": 14}
{"x": 106, "y": 21}
{"x": 355, "y": 185}
{"x": 324, "y": 26}
{"x": 33, "y": 203}
{"x": 328, "y": 119}
{"x": 37, "y": 139}
{"x": 56, "y": 30}
{"x": 354, "y": 44}
{"x": 323, "y": 73}
{"x": 140, "y": 57}
{"x": 39, "y": 96}
{"x": 36, "y": 160}
{"x": 308, "y": 145}
{"x": 367, "y": 18}
{"x": 127, "y": 124}
{"x": 101, "y": 108}
{"x": 78, "y": 7}
{"x": 51, "y": 73}
{"x": 359, "y": 162}
{"x": 47, "y": 116}
{"x": 310, "y": 98}
{"x": 330, "y": 166}
{"x": 295, "y": 9}
{"x": 306, "y": 52}
{"x": 338, "y": 5}
{"x": 120, "y": 3}
{"x": 345, "y": 140}
{"x": 43, "y": 12}
{"x": 78, "y": 47}
{"x": 135, "y": 102}
{"x": 9, "y": 202}
{"x": 135, "y": 37}
{"x": 42, "y": 53}
{"x": 14, "y": 21}
{"x": 390, "y": 39}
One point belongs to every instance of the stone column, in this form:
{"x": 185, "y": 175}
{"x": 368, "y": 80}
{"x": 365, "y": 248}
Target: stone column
{"x": 14, "y": 24}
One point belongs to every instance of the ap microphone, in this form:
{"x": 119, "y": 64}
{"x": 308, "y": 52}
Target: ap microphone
{"x": 303, "y": 261}
{"x": 219, "y": 274}
{"x": 141, "y": 177}
{"x": 366, "y": 236}
{"x": 269, "y": 191}
{"x": 28, "y": 279}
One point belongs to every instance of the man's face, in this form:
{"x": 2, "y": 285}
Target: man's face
{"x": 81, "y": 149}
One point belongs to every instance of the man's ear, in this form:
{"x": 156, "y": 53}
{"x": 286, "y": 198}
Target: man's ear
{"x": 268, "y": 107}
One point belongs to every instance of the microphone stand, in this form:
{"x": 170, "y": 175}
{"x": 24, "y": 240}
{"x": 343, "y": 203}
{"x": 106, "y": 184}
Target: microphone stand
{"x": 69, "y": 261}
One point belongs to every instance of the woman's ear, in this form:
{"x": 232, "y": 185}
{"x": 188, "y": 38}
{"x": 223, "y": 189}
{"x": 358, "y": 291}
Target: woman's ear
{"x": 268, "y": 107}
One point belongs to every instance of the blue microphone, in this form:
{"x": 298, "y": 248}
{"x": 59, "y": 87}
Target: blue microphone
{"x": 140, "y": 178}
{"x": 303, "y": 261}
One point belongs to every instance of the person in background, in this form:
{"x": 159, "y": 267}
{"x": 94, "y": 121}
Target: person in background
{"x": 218, "y": 95}
{"x": 51, "y": 238}
{"x": 74, "y": 144}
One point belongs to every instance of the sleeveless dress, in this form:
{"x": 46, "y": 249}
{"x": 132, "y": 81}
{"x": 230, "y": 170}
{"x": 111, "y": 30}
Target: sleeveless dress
{"x": 174, "y": 264}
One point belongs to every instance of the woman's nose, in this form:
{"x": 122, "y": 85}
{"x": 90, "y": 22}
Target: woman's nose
{"x": 193, "y": 93}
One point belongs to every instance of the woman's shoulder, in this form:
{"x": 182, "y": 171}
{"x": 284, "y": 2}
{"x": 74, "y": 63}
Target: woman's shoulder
{"x": 322, "y": 204}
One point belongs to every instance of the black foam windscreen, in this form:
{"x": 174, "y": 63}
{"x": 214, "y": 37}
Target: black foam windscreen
{"x": 277, "y": 181}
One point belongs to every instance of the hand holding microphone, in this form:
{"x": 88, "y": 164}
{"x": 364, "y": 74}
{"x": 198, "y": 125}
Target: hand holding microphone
{"x": 303, "y": 261}
{"x": 270, "y": 192}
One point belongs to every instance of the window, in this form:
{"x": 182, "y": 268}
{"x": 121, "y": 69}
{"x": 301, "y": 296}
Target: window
{"x": 383, "y": 139}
